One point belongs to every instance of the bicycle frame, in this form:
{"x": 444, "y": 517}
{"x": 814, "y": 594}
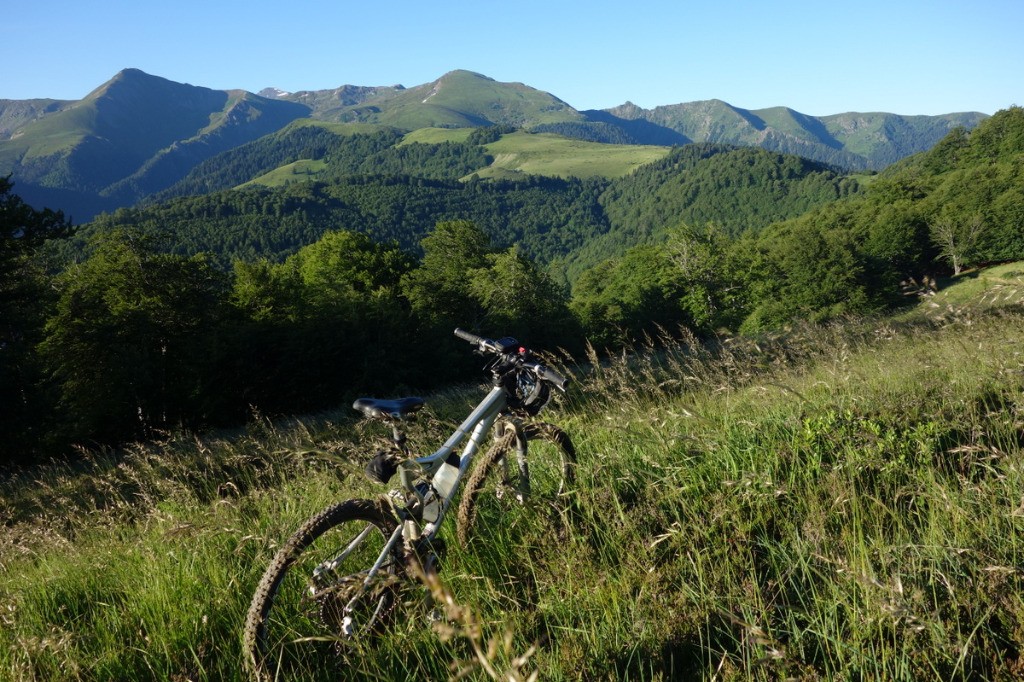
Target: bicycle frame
{"x": 476, "y": 426}
{"x": 473, "y": 431}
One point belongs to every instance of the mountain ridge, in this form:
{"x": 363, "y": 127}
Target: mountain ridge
{"x": 116, "y": 141}
{"x": 857, "y": 140}
{"x": 137, "y": 134}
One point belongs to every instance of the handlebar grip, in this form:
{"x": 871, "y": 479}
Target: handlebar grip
{"x": 472, "y": 338}
{"x": 554, "y": 378}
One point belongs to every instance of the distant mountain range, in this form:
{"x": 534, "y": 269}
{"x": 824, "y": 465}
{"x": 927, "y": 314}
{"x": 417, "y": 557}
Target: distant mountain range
{"x": 139, "y": 134}
{"x": 856, "y": 141}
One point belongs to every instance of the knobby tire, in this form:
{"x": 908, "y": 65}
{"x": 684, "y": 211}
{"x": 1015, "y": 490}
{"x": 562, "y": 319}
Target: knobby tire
{"x": 288, "y": 632}
{"x": 504, "y": 450}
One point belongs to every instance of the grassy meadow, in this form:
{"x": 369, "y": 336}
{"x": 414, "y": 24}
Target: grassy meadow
{"x": 515, "y": 155}
{"x": 437, "y": 136}
{"x": 304, "y": 170}
{"x": 834, "y": 503}
{"x": 553, "y": 155}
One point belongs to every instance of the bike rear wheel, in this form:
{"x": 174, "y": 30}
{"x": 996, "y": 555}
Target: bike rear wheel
{"x": 314, "y": 607}
{"x": 536, "y": 462}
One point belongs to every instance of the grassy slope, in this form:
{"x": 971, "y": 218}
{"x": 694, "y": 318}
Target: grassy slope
{"x": 48, "y": 136}
{"x": 514, "y": 155}
{"x": 553, "y": 155}
{"x": 465, "y": 98}
{"x": 306, "y": 170}
{"x": 834, "y": 503}
{"x": 339, "y": 129}
{"x": 309, "y": 170}
{"x": 996, "y": 285}
{"x": 437, "y": 135}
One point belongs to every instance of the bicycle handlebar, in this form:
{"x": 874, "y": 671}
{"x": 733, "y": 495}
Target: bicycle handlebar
{"x": 510, "y": 348}
{"x": 471, "y": 338}
{"x": 552, "y": 377}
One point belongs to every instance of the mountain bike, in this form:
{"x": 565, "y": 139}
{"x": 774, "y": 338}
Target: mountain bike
{"x": 345, "y": 575}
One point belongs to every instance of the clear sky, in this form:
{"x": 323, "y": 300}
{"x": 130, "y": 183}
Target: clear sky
{"x": 824, "y": 57}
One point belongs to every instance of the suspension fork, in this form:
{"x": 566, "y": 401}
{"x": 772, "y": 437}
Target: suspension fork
{"x": 524, "y": 467}
{"x": 523, "y": 490}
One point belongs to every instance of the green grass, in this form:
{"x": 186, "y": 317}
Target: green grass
{"x": 304, "y": 170}
{"x": 995, "y": 286}
{"x": 553, "y": 155}
{"x": 340, "y": 129}
{"x": 437, "y": 135}
{"x": 48, "y": 136}
{"x": 839, "y": 502}
{"x": 463, "y": 98}
{"x": 515, "y": 155}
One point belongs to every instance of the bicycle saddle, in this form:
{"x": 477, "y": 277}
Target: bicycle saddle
{"x": 389, "y": 409}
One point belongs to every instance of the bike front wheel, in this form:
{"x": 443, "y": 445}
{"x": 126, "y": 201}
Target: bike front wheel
{"x": 316, "y": 606}
{"x": 534, "y": 462}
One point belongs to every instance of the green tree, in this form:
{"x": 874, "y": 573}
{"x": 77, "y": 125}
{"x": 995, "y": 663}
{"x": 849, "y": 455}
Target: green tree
{"x": 439, "y": 290}
{"x": 350, "y": 267}
{"x": 805, "y": 270}
{"x": 622, "y": 299}
{"x": 326, "y": 322}
{"x": 520, "y": 300}
{"x": 24, "y": 301}
{"x": 687, "y": 280}
{"x": 132, "y": 340}
{"x": 950, "y": 151}
{"x": 709, "y": 296}
{"x": 264, "y": 291}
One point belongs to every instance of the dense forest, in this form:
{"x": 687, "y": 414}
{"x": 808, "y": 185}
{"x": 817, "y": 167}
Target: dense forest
{"x": 359, "y": 153}
{"x": 572, "y": 223}
{"x": 196, "y": 311}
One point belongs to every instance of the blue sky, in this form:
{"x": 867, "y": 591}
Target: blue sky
{"x": 906, "y": 57}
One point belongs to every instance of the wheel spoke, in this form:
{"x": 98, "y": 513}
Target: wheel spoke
{"x": 332, "y": 587}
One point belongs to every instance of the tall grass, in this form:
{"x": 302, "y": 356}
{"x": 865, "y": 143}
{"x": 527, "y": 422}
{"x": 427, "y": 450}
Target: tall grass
{"x": 840, "y": 502}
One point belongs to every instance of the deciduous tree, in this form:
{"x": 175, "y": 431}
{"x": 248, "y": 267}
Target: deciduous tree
{"x": 131, "y": 340}
{"x": 24, "y": 301}
{"x": 956, "y": 239}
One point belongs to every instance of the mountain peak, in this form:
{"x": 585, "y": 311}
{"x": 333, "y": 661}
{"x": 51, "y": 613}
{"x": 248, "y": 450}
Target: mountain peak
{"x": 133, "y": 80}
{"x": 463, "y": 73}
{"x": 627, "y": 110}
{"x": 131, "y": 72}
{"x": 133, "y": 75}
{"x": 273, "y": 93}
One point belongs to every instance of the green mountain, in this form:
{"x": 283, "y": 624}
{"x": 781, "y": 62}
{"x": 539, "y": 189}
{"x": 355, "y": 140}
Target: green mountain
{"x": 132, "y": 136}
{"x": 316, "y": 151}
{"x": 304, "y": 141}
{"x": 16, "y": 113}
{"x": 739, "y": 189}
{"x": 458, "y": 99}
{"x": 139, "y": 136}
{"x": 566, "y": 224}
{"x": 854, "y": 141}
